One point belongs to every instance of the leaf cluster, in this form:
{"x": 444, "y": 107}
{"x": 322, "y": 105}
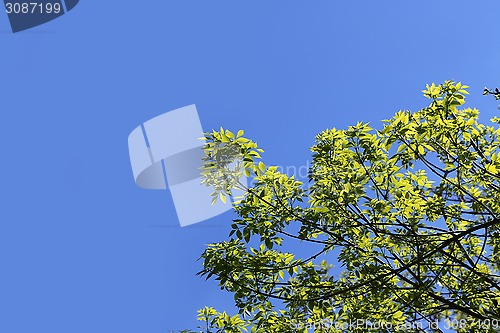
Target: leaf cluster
{"x": 408, "y": 214}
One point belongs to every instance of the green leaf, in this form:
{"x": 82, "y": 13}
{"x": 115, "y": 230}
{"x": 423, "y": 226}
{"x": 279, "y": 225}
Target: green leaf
{"x": 262, "y": 166}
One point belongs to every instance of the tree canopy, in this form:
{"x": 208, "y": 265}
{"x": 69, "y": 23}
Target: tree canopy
{"x": 401, "y": 226}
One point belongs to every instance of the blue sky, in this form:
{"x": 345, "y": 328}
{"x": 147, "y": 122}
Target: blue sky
{"x": 82, "y": 248}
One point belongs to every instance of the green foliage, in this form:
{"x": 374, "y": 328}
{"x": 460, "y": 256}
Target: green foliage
{"x": 227, "y": 158}
{"x": 495, "y": 93}
{"x": 410, "y": 212}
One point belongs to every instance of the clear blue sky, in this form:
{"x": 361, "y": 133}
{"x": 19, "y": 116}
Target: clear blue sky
{"x": 82, "y": 248}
